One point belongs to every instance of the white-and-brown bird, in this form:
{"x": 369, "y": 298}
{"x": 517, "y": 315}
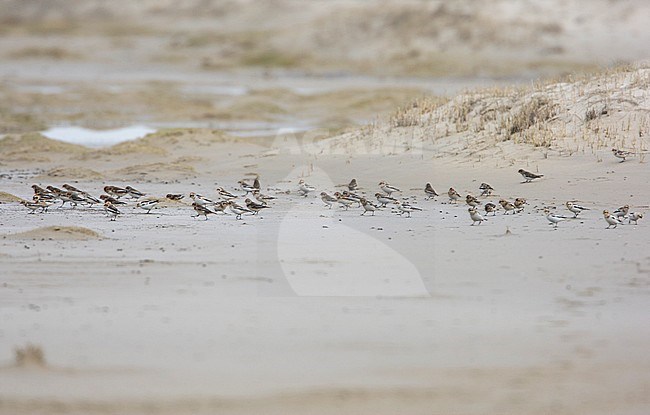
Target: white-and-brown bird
{"x": 134, "y": 193}
{"x": 115, "y": 191}
{"x": 486, "y": 189}
{"x": 528, "y": 176}
{"x": 475, "y": 216}
{"x": 256, "y": 207}
{"x": 352, "y": 186}
{"x": 238, "y": 210}
{"x": 634, "y": 217}
{"x": 612, "y": 220}
{"x": 575, "y": 208}
{"x": 224, "y": 194}
{"x": 622, "y": 211}
{"x": 148, "y": 205}
{"x": 112, "y": 200}
{"x": 404, "y": 207}
{"x": 429, "y": 191}
{"x": 35, "y": 205}
{"x": 507, "y": 206}
{"x": 519, "y": 204}
{"x": 245, "y": 186}
{"x": 327, "y": 199}
{"x": 304, "y": 188}
{"x": 368, "y": 207}
{"x": 384, "y": 199}
{"x": 387, "y": 188}
{"x": 472, "y": 201}
{"x": 552, "y": 218}
{"x": 621, "y": 154}
{"x": 202, "y": 210}
{"x": 453, "y": 195}
{"x": 111, "y": 210}
{"x": 490, "y": 208}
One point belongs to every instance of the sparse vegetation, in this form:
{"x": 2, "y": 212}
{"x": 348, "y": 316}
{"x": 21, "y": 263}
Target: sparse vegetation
{"x": 29, "y": 356}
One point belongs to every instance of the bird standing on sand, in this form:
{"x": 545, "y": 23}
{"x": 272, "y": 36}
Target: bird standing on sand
{"x": 453, "y": 195}
{"x": 111, "y": 210}
{"x": 255, "y": 206}
{"x": 490, "y": 208}
{"x": 612, "y": 220}
{"x": 475, "y": 216}
{"x": 528, "y": 176}
{"x": 633, "y": 217}
{"x": 304, "y": 188}
{"x": 621, "y": 154}
{"x": 507, "y": 206}
{"x": 201, "y": 210}
{"x": 486, "y": 189}
{"x": 406, "y": 208}
{"x": 472, "y": 201}
{"x": 387, "y": 188}
{"x": 553, "y": 218}
{"x": 327, "y": 199}
{"x": 429, "y": 191}
{"x": 367, "y": 207}
{"x": 352, "y": 186}
{"x": 384, "y": 199}
{"x": 575, "y": 208}
{"x": 148, "y": 204}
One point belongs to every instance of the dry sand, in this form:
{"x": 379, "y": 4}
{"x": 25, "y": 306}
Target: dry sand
{"x": 304, "y": 309}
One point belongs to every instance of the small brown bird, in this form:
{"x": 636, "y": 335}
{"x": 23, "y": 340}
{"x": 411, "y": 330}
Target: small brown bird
{"x": 491, "y": 208}
{"x": 472, "y": 201}
{"x": 486, "y": 189}
{"x": 352, "y": 186}
{"x": 528, "y": 176}
{"x": 507, "y": 206}
{"x": 453, "y": 195}
{"x": 429, "y": 191}
{"x": 519, "y": 204}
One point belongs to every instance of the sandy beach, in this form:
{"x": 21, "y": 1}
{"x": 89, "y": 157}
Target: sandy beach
{"x": 302, "y": 308}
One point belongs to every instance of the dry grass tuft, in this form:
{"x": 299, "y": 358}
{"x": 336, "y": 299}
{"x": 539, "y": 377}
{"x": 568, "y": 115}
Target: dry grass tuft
{"x": 30, "y": 356}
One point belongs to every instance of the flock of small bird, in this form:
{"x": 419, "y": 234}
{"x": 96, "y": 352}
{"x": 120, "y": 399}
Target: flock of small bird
{"x": 255, "y": 201}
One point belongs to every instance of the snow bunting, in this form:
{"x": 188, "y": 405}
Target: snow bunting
{"x": 116, "y": 192}
{"x": 38, "y": 190}
{"x": 55, "y": 191}
{"x": 352, "y": 196}
{"x": 429, "y": 191}
{"x": 507, "y": 206}
{"x": 621, "y": 154}
{"x": 575, "y": 209}
{"x": 111, "y": 210}
{"x": 34, "y": 206}
{"x": 255, "y": 206}
{"x": 406, "y": 208}
{"x": 200, "y": 200}
{"x": 90, "y": 200}
{"x": 175, "y": 196}
{"x": 352, "y": 186}
{"x": 201, "y": 210}
{"x": 148, "y": 204}
{"x": 256, "y": 183}
{"x": 327, "y": 199}
{"x": 304, "y": 188}
{"x": 472, "y": 201}
{"x": 262, "y": 198}
{"x": 72, "y": 198}
{"x": 345, "y": 202}
{"x": 519, "y": 204}
{"x": 553, "y": 218}
{"x": 491, "y": 208}
{"x": 612, "y": 220}
{"x": 622, "y": 211}
{"x": 134, "y": 193}
{"x": 475, "y": 216}
{"x": 245, "y": 186}
{"x": 224, "y": 194}
{"x": 528, "y": 176}
{"x": 453, "y": 195}
{"x": 486, "y": 189}
{"x": 387, "y": 188}
{"x": 384, "y": 199}
{"x": 367, "y": 207}
{"x": 237, "y": 209}
{"x": 220, "y": 207}
{"x": 112, "y": 200}
{"x": 634, "y": 216}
